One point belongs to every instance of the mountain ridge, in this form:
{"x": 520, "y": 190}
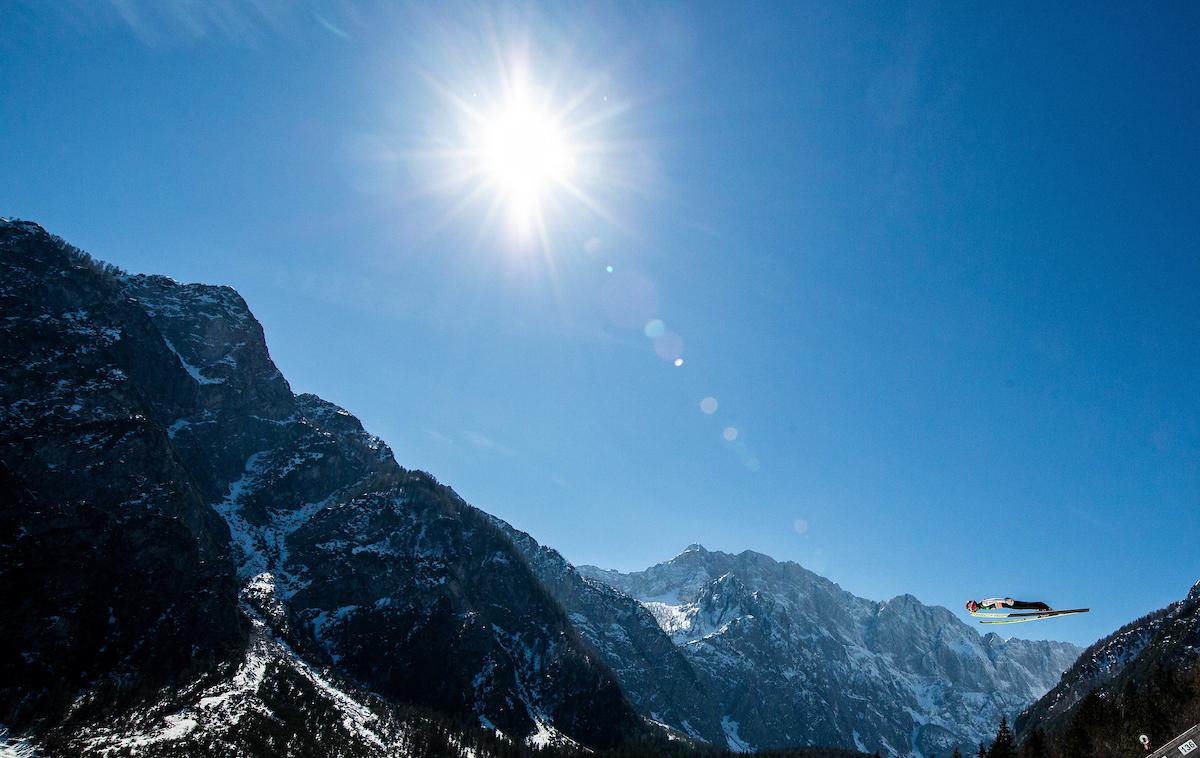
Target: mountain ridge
{"x": 720, "y": 608}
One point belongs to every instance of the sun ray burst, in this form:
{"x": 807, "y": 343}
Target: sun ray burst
{"x": 530, "y": 152}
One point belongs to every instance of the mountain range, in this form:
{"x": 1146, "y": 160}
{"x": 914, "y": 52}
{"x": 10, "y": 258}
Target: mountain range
{"x": 196, "y": 560}
{"x": 787, "y": 657}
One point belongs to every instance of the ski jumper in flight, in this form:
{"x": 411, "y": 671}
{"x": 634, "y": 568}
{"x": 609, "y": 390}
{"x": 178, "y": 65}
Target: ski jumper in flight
{"x": 998, "y": 603}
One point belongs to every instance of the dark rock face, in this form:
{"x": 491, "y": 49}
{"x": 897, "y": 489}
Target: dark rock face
{"x": 154, "y": 464}
{"x": 1163, "y": 643}
{"x": 111, "y": 567}
{"x": 787, "y": 657}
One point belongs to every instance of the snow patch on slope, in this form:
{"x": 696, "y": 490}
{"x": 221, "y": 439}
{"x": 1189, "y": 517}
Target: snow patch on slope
{"x": 216, "y": 709}
{"x": 736, "y": 743}
{"x": 192, "y": 370}
{"x": 16, "y": 747}
{"x": 263, "y": 548}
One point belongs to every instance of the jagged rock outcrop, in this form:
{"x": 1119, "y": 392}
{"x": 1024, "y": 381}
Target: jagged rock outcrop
{"x": 792, "y": 659}
{"x": 155, "y": 465}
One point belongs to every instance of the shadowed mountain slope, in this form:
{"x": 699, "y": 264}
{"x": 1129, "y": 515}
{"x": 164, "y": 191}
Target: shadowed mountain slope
{"x": 1143, "y": 678}
{"x": 173, "y": 514}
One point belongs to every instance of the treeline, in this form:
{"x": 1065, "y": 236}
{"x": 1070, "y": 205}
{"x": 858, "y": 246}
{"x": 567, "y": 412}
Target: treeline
{"x": 682, "y": 750}
{"x": 655, "y": 746}
{"x": 1161, "y": 707}
{"x": 82, "y": 258}
{"x": 435, "y": 736}
{"x": 1103, "y": 725}
{"x": 1003, "y": 746}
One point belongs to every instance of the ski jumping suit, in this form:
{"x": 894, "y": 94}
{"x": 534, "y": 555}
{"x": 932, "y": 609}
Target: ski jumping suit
{"x": 994, "y": 603}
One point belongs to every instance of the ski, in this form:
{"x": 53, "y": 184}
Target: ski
{"x": 1016, "y": 618}
{"x": 1028, "y": 613}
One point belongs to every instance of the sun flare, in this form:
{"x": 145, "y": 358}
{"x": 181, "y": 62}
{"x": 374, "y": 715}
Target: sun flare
{"x": 525, "y": 156}
{"x": 531, "y": 146}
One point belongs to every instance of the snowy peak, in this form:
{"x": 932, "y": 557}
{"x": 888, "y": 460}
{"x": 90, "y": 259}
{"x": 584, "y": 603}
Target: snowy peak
{"x": 719, "y": 603}
{"x": 687, "y": 575}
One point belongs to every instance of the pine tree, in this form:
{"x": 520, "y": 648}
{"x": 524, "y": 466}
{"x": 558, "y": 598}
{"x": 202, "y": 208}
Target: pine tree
{"x": 1003, "y": 746}
{"x": 1077, "y": 743}
{"x": 956, "y": 754}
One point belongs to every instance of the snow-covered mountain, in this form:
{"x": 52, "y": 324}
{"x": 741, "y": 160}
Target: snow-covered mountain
{"x": 192, "y": 555}
{"x": 783, "y": 656}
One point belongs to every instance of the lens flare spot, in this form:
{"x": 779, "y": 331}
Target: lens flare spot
{"x": 609, "y": 269}
{"x": 730, "y": 434}
{"x": 709, "y": 405}
{"x": 800, "y": 526}
{"x": 678, "y": 361}
{"x": 669, "y": 346}
{"x": 654, "y": 328}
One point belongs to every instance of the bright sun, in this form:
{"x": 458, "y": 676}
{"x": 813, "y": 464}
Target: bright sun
{"x": 534, "y": 156}
{"x": 525, "y": 157}
{"x": 525, "y": 154}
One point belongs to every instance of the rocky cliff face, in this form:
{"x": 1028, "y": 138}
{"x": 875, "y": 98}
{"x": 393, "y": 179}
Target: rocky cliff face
{"x": 111, "y": 567}
{"x": 787, "y": 657}
{"x": 174, "y": 519}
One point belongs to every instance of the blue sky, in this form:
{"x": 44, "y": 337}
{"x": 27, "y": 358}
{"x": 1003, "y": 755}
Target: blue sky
{"x": 937, "y": 264}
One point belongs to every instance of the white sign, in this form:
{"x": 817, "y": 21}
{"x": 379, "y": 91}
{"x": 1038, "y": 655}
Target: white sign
{"x": 1187, "y": 747}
